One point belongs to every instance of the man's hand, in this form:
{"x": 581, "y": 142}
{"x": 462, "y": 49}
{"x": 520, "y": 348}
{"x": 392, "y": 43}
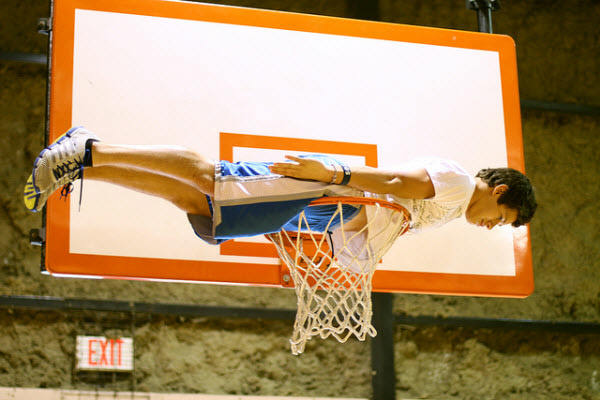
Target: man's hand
{"x": 303, "y": 168}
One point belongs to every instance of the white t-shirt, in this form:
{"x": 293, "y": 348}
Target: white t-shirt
{"x": 454, "y": 188}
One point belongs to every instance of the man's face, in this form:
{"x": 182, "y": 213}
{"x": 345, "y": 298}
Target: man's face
{"x": 486, "y": 212}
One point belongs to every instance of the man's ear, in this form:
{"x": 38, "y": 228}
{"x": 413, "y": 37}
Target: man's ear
{"x": 500, "y": 190}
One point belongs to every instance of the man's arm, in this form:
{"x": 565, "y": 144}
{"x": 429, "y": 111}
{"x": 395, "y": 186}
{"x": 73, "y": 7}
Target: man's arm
{"x": 410, "y": 184}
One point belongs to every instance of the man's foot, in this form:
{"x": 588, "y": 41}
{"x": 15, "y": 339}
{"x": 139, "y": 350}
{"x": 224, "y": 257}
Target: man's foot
{"x": 59, "y": 164}
{"x": 35, "y": 202}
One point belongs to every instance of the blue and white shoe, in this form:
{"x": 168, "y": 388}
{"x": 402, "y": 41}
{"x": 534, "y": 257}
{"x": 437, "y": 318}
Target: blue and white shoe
{"x": 59, "y": 164}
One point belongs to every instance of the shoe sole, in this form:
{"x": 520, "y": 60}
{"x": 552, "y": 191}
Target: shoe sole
{"x": 30, "y": 196}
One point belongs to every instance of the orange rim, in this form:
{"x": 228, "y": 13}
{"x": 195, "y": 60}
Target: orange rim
{"x": 310, "y": 240}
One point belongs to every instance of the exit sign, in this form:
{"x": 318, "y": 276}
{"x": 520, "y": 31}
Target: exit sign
{"x": 100, "y": 353}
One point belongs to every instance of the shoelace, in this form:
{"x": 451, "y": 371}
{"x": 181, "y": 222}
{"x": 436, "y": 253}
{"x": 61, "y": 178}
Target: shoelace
{"x": 67, "y": 167}
{"x": 75, "y": 171}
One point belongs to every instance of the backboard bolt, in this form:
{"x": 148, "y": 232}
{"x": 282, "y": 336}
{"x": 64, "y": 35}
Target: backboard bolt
{"x": 37, "y": 237}
{"x": 286, "y": 278}
{"x": 43, "y": 26}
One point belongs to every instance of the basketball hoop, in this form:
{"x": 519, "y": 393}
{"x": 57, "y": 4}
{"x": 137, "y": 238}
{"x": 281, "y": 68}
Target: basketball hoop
{"x": 332, "y": 270}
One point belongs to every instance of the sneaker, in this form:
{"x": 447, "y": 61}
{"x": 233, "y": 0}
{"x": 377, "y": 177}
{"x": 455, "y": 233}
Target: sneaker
{"x": 57, "y": 165}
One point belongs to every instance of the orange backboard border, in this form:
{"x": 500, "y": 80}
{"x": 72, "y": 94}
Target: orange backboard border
{"x": 58, "y": 260}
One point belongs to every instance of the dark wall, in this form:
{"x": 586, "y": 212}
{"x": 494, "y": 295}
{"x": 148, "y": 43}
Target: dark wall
{"x": 558, "y": 53}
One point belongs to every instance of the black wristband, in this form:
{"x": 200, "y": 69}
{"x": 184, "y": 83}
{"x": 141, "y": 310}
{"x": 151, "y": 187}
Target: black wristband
{"x": 347, "y": 174}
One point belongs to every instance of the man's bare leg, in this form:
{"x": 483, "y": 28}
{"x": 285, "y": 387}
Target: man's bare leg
{"x": 183, "y": 195}
{"x": 181, "y": 174}
{"x": 174, "y": 161}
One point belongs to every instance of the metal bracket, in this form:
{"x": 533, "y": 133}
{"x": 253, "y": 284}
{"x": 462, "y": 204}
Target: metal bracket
{"x": 44, "y": 26}
{"x": 484, "y": 10}
{"x": 483, "y": 4}
{"x": 37, "y": 237}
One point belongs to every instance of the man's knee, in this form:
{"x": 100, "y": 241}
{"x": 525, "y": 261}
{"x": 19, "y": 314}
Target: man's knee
{"x": 192, "y": 202}
{"x": 204, "y": 176}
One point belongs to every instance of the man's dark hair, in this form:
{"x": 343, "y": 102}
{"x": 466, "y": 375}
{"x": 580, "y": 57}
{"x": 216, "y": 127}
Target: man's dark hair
{"x": 519, "y": 196}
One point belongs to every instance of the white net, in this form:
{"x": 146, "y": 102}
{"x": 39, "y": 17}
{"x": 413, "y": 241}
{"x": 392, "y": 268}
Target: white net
{"x": 332, "y": 271}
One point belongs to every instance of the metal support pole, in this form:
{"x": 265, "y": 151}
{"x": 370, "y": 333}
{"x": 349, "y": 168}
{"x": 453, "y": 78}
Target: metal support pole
{"x": 484, "y": 10}
{"x": 382, "y": 348}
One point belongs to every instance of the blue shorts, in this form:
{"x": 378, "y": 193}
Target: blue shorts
{"x": 249, "y": 200}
